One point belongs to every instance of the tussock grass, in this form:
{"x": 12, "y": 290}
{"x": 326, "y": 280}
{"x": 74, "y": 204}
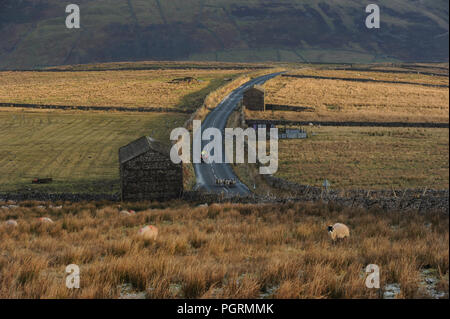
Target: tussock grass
{"x": 220, "y": 251}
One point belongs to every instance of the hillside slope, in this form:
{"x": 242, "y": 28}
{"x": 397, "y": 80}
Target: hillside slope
{"x": 34, "y": 33}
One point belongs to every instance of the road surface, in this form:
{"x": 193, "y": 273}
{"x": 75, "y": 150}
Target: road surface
{"x": 206, "y": 174}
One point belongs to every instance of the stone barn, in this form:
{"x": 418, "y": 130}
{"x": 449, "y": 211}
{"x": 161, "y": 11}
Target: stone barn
{"x": 254, "y": 98}
{"x": 147, "y": 172}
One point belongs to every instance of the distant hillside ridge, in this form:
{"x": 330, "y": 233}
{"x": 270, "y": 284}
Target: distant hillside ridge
{"x": 34, "y": 34}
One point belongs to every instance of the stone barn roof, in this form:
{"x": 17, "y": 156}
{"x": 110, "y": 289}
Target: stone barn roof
{"x": 141, "y": 146}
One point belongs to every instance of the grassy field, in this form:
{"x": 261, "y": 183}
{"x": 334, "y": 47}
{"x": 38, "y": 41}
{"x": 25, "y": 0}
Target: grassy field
{"x": 78, "y": 150}
{"x": 336, "y": 100}
{"x": 368, "y": 158}
{"x": 221, "y": 251}
{"x": 141, "y": 88}
{"x": 377, "y": 76}
{"x": 437, "y": 68}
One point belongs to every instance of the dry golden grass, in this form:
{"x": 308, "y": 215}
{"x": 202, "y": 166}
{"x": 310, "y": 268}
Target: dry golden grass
{"x": 368, "y": 158}
{"x": 145, "y": 88}
{"x": 220, "y": 251}
{"x": 335, "y": 100}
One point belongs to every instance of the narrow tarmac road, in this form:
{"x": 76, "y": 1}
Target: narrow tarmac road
{"x": 206, "y": 173}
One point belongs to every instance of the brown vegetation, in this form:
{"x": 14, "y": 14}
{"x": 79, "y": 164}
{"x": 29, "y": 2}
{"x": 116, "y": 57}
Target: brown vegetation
{"x": 228, "y": 250}
{"x": 142, "y": 88}
{"x": 367, "y": 158}
{"x": 337, "y": 100}
{"x": 377, "y": 76}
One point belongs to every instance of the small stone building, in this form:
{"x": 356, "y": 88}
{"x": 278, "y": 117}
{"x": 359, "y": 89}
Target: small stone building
{"x": 148, "y": 173}
{"x": 254, "y": 98}
{"x": 295, "y": 133}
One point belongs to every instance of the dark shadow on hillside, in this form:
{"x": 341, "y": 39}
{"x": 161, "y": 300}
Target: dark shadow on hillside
{"x": 195, "y": 100}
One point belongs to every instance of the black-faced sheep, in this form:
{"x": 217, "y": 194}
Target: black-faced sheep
{"x": 338, "y": 231}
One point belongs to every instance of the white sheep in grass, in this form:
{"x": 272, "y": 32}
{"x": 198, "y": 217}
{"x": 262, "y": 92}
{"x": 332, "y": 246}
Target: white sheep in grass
{"x": 338, "y": 231}
{"x": 46, "y": 220}
{"x": 127, "y": 212}
{"x": 11, "y": 223}
{"x": 148, "y": 232}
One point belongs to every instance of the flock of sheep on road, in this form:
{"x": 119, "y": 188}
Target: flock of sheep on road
{"x": 225, "y": 182}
